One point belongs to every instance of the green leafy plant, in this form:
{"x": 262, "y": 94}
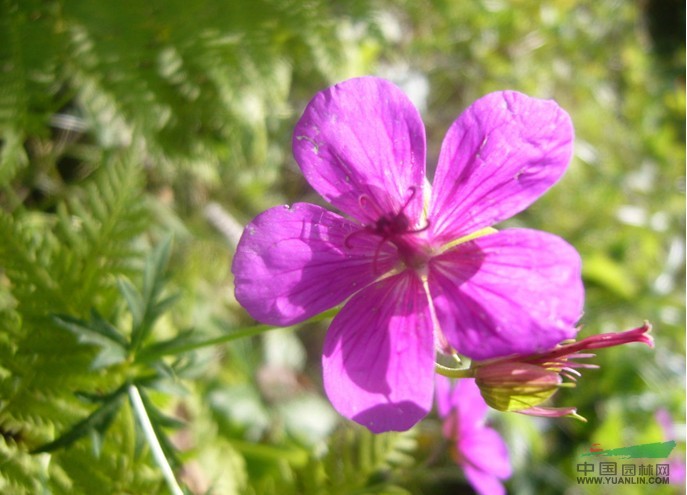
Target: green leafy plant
{"x": 116, "y": 347}
{"x": 120, "y": 123}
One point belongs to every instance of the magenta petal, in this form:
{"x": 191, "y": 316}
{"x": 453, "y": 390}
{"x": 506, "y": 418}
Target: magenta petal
{"x": 515, "y": 291}
{"x": 497, "y": 158}
{"x": 484, "y": 453}
{"x": 378, "y": 358}
{"x": 485, "y": 461}
{"x": 462, "y": 395}
{"x": 483, "y": 483}
{"x": 295, "y": 262}
{"x": 443, "y": 394}
{"x": 484, "y": 449}
{"x": 481, "y": 451}
{"x": 361, "y": 145}
{"x": 468, "y": 400}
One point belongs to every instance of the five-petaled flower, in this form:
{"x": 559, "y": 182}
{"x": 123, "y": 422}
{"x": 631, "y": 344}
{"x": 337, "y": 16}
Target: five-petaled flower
{"x": 418, "y": 266}
{"x": 477, "y": 448}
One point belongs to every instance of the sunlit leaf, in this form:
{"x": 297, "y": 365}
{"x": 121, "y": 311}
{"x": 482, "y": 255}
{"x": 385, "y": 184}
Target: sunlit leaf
{"x": 96, "y": 423}
{"x": 111, "y": 351}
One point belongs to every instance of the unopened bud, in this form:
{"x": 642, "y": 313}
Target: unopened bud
{"x": 516, "y": 386}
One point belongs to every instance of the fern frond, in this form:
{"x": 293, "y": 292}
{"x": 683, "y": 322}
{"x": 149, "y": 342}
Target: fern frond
{"x": 29, "y": 47}
{"x": 20, "y": 472}
{"x": 361, "y": 461}
{"x": 97, "y": 227}
{"x": 25, "y": 257}
{"x": 62, "y": 264}
{"x": 117, "y": 468}
{"x": 65, "y": 270}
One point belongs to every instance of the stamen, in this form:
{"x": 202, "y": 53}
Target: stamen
{"x": 421, "y": 229}
{"x": 570, "y": 372}
{"x": 569, "y": 376}
{"x": 412, "y": 190}
{"x": 365, "y": 202}
{"x": 352, "y": 234}
{"x": 375, "y": 267}
{"x": 440, "y": 341}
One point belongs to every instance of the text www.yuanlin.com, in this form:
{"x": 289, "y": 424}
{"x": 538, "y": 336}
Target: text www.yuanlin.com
{"x": 623, "y": 480}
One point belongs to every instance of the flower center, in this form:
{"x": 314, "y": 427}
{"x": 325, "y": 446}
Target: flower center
{"x": 411, "y": 244}
{"x": 413, "y": 248}
{"x": 396, "y": 228}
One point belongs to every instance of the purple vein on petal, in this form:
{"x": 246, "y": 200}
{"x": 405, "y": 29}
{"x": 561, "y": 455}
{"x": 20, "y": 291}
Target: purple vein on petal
{"x": 378, "y": 358}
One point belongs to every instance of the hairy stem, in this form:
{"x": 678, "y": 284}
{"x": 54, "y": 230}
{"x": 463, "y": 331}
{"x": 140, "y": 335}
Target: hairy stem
{"x": 155, "y": 447}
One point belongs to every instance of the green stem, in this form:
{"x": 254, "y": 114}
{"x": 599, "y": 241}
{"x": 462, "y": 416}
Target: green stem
{"x": 155, "y": 447}
{"x": 192, "y": 346}
{"x": 223, "y": 339}
{"x": 453, "y": 372}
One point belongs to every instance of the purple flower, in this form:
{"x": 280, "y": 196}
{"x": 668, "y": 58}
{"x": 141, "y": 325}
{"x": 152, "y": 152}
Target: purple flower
{"x": 676, "y": 466}
{"x": 479, "y": 450}
{"x": 417, "y": 265}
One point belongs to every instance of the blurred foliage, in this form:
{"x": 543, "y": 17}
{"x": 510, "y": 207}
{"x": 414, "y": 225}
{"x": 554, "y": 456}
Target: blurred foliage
{"x": 123, "y": 122}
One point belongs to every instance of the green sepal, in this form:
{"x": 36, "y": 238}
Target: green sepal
{"x": 516, "y": 397}
{"x": 516, "y": 386}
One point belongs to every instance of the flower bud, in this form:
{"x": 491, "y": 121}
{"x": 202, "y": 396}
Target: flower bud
{"x": 521, "y": 383}
{"x": 516, "y": 386}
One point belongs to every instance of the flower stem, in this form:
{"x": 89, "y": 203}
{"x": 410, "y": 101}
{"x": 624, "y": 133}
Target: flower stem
{"x": 453, "y": 372}
{"x": 155, "y": 447}
{"x": 223, "y": 339}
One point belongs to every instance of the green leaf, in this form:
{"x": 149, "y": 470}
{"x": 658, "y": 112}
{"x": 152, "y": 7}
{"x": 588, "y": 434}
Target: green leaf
{"x": 359, "y": 461}
{"x": 99, "y": 333}
{"x": 153, "y": 284}
{"x": 609, "y": 274}
{"x": 157, "y": 417}
{"x": 294, "y": 455}
{"x": 96, "y": 423}
{"x": 161, "y": 306}
{"x": 239, "y": 410}
{"x": 92, "y": 398}
{"x": 309, "y": 419}
{"x": 134, "y": 301}
{"x": 102, "y": 326}
{"x": 153, "y": 276}
{"x": 156, "y": 350}
{"x": 191, "y": 344}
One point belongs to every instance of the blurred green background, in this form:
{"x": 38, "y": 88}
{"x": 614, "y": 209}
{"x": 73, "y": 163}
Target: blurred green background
{"x": 122, "y": 123}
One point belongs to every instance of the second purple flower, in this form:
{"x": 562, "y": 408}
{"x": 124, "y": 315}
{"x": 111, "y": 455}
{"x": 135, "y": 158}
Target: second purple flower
{"x": 417, "y": 265}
